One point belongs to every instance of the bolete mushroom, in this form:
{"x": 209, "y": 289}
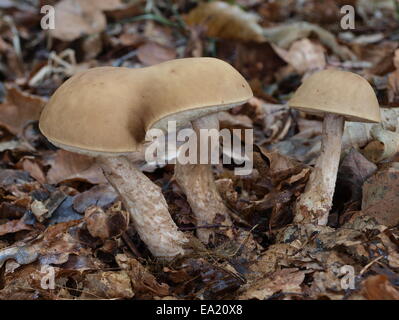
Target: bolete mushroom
{"x": 224, "y": 91}
{"x": 206, "y": 87}
{"x": 105, "y": 112}
{"x": 338, "y": 96}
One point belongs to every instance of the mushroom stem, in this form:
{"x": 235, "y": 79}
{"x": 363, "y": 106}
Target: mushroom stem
{"x": 316, "y": 201}
{"x": 198, "y": 184}
{"x": 147, "y": 207}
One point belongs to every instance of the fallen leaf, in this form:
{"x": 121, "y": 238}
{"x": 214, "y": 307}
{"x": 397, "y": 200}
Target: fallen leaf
{"x": 39, "y": 210}
{"x": 23, "y": 284}
{"x": 282, "y": 167}
{"x": 352, "y": 173}
{"x": 19, "y": 108}
{"x": 380, "y": 193}
{"x": 269, "y": 261}
{"x": 286, "y": 280}
{"x": 13, "y": 226}
{"x": 144, "y": 284}
{"x": 384, "y": 146}
{"x": 123, "y": 10}
{"x": 107, "y": 285}
{"x": 378, "y": 287}
{"x": 304, "y": 55}
{"x": 72, "y": 166}
{"x": 9, "y": 177}
{"x": 229, "y": 121}
{"x": 225, "y": 21}
{"x": 106, "y": 224}
{"x": 62, "y": 209}
{"x": 152, "y": 53}
{"x": 34, "y": 169}
{"x": 102, "y": 196}
{"x": 283, "y": 36}
{"x": 107, "y": 4}
{"x": 77, "y": 18}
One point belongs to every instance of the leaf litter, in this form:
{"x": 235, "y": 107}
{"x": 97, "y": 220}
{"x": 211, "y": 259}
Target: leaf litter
{"x": 57, "y": 209}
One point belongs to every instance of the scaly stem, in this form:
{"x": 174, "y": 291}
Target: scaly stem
{"x": 316, "y": 201}
{"x": 198, "y": 184}
{"x": 147, "y": 207}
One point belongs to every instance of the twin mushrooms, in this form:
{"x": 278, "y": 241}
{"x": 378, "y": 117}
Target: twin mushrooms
{"x": 106, "y": 112}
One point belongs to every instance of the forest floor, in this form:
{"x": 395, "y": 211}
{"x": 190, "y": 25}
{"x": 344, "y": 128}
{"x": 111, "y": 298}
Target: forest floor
{"x": 47, "y": 195}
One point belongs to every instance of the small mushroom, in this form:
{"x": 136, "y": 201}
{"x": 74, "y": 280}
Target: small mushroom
{"x": 338, "y": 96}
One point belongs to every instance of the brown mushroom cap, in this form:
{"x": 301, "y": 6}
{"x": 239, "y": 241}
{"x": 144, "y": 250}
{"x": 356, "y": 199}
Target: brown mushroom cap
{"x": 109, "y": 109}
{"x": 339, "y": 92}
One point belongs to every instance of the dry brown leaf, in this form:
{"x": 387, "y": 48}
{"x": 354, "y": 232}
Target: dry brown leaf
{"x": 225, "y": 21}
{"x": 106, "y": 224}
{"x": 384, "y": 146}
{"x": 352, "y": 173}
{"x": 276, "y": 120}
{"x": 122, "y": 10}
{"x": 39, "y": 210}
{"x": 304, "y": 55}
{"x": 230, "y": 121}
{"x": 13, "y": 226}
{"x": 34, "y": 169}
{"x": 19, "y": 108}
{"x": 69, "y": 166}
{"x": 275, "y": 256}
{"x": 378, "y": 287}
{"x": 107, "y": 4}
{"x": 102, "y": 196}
{"x": 285, "y": 280}
{"x": 152, "y": 53}
{"x": 391, "y": 248}
{"x": 283, "y": 167}
{"x": 143, "y": 282}
{"x": 326, "y": 284}
{"x": 55, "y": 245}
{"x": 76, "y": 18}
{"x": 380, "y": 195}
{"x": 21, "y": 284}
{"x": 108, "y": 285}
{"x": 284, "y": 35}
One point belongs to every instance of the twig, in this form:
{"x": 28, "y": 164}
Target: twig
{"x": 369, "y": 265}
{"x": 15, "y": 37}
{"x": 209, "y": 226}
{"x": 244, "y": 242}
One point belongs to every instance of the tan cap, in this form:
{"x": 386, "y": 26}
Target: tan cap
{"x": 109, "y": 109}
{"x": 339, "y": 92}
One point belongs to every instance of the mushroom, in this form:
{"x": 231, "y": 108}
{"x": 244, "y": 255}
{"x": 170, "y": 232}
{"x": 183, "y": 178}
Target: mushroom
{"x": 106, "y": 112}
{"x": 225, "y": 90}
{"x": 338, "y": 96}
{"x": 203, "y": 87}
